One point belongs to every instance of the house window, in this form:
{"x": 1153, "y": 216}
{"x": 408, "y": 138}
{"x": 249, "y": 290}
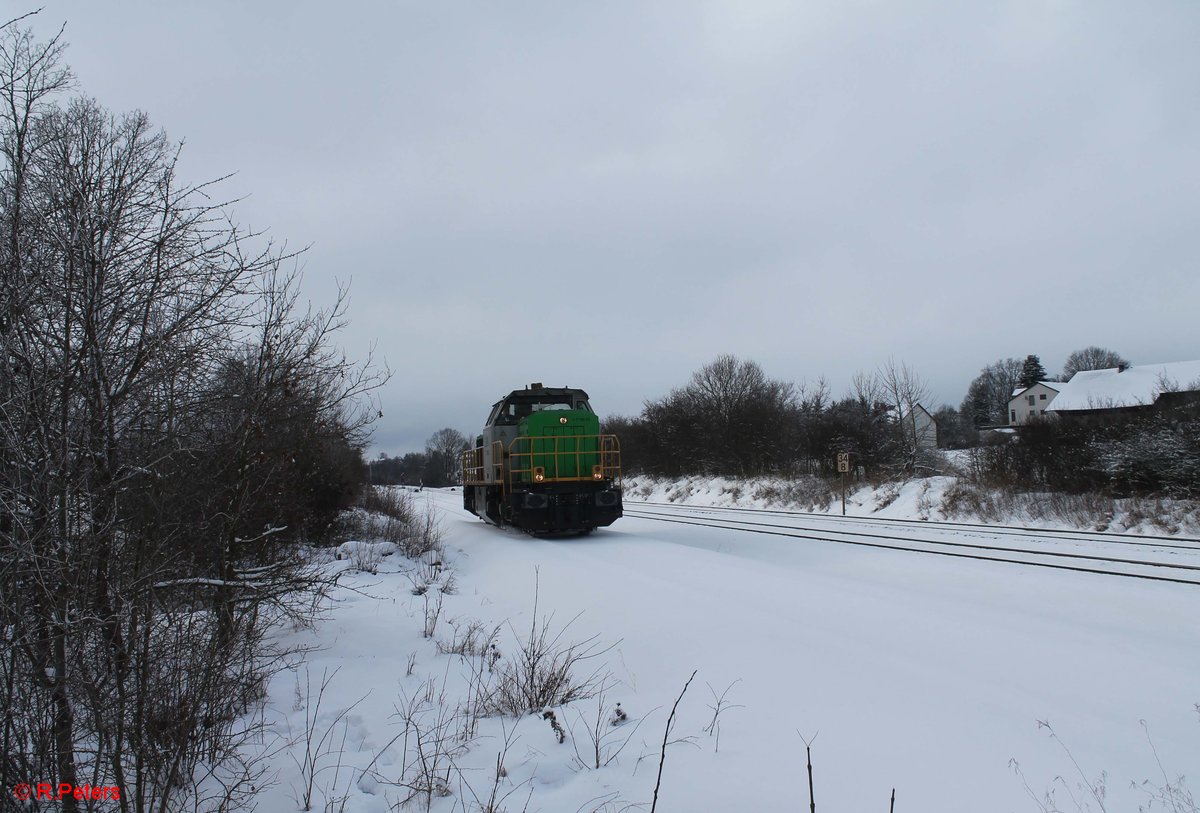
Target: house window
{"x": 1042, "y": 397}
{"x": 1013, "y": 417}
{"x": 1031, "y": 400}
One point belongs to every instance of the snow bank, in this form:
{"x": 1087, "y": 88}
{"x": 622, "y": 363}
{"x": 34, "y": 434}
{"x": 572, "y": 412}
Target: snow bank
{"x": 931, "y": 499}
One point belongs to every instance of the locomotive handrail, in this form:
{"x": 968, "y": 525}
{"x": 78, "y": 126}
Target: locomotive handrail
{"x": 539, "y": 464}
{"x": 475, "y": 472}
{"x": 472, "y": 466}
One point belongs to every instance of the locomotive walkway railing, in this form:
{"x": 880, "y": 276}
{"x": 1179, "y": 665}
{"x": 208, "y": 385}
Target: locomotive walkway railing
{"x": 564, "y": 458}
{"x": 476, "y": 472}
{"x": 550, "y": 459}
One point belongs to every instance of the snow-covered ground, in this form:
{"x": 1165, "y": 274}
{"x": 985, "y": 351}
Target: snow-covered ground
{"x": 928, "y": 675}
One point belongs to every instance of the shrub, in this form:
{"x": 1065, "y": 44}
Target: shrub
{"x": 545, "y": 670}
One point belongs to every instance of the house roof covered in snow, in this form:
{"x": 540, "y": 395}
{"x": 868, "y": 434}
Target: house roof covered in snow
{"x": 1054, "y": 385}
{"x": 1113, "y": 388}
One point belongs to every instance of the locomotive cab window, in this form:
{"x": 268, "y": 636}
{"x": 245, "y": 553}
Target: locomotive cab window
{"x": 510, "y": 411}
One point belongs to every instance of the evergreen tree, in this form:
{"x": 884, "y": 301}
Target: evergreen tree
{"x": 1032, "y": 371}
{"x": 955, "y": 430}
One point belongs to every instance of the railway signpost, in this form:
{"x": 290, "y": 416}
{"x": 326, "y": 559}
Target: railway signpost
{"x": 843, "y": 461}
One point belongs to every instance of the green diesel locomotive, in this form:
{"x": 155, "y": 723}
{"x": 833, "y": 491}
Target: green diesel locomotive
{"x": 542, "y": 465}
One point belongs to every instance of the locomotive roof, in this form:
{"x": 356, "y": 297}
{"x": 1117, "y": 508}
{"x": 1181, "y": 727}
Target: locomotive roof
{"x": 519, "y": 403}
{"x": 536, "y": 391}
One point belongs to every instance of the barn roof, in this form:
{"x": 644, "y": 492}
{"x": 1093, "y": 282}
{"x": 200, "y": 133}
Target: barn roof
{"x": 1132, "y": 386}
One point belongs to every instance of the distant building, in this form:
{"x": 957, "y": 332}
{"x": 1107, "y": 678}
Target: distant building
{"x": 1127, "y": 389}
{"x": 1029, "y": 403}
{"x": 923, "y": 427}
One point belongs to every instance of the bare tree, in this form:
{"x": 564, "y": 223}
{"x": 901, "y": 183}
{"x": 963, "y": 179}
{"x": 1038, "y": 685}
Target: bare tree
{"x": 442, "y": 455}
{"x": 724, "y": 386}
{"x": 814, "y": 399}
{"x": 904, "y": 389}
{"x": 136, "y": 287}
{"x": 1091, "y": 358}
{"x": 146, "y": 352}
{"x": 743, "y": 417}
{"x": 867, "y": 389}
{"x": 988, "y": 395}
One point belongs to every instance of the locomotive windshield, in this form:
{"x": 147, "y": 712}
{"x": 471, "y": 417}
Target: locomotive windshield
{"x": 521, "y": 404}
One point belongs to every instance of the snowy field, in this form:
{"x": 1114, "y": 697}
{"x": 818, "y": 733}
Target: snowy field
{"x": 925, "y": 674}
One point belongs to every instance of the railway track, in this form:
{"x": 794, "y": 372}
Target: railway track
{"x": 1166, "y": 559}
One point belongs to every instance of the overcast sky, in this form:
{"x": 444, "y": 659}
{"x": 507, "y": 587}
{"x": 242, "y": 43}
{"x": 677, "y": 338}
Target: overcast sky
{"x": 609, "y": 195}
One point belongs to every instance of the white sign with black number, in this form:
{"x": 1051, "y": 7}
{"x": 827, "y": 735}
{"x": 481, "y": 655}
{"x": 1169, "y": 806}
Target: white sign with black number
{"x": 843, "y": 468}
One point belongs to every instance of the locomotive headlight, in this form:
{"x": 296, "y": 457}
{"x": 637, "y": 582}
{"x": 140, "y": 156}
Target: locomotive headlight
{"x": 562, "y": 420}
{"x": 539, "y": 474}
{"x": 597, "y": 473}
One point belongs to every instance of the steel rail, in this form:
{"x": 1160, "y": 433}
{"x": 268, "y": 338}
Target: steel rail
{"x": 733, "y": 525}
{"x": 997, "y": 548}
{"x": 1007, "y": 530}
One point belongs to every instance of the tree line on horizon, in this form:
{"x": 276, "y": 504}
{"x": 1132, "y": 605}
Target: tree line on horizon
{"x": 731, "y": 418}
{"x": 437, "y": 466}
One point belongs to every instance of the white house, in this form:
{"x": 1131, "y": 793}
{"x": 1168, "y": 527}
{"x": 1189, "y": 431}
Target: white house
{"x": 1127, "y": 388}
{"x": 1028, "y": 403}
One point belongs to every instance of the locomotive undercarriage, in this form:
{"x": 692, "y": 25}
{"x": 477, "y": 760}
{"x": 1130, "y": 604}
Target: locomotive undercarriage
{"x": 547, "y": 507}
